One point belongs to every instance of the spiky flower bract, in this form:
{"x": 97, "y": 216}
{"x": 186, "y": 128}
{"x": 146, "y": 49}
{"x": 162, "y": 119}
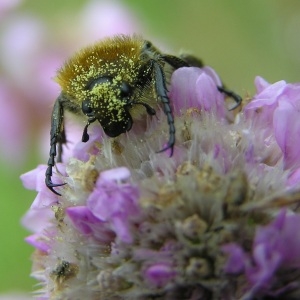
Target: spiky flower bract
{"x": 217, "y": 220}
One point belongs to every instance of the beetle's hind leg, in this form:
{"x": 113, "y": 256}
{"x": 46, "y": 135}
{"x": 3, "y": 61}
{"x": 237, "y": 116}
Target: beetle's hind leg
{"x": 193, "y": 61}
{"x": 237, "y": 98}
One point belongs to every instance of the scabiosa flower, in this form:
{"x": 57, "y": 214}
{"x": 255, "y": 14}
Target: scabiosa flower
{"x": 205, "y": 223}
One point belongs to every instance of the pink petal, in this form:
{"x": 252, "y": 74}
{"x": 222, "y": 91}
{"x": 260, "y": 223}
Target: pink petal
{"x": 36, "y": 240}
{"x": 286, "y": 124}
{"x": 260, "y": 84}
{"x": 36, "y": 220}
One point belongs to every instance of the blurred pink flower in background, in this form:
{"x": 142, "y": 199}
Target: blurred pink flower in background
{"x": 13, "y": 125}
{"x": 7, "y": 5}
{"x": 105, "y": 18}
{"x": 31, "y": 51}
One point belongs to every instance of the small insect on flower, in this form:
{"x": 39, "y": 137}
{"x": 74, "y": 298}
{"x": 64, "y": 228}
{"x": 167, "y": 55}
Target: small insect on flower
{"x": 116, "y": 81}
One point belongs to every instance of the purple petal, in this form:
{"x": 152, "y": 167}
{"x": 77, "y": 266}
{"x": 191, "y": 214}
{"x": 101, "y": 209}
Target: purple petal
{"x": 294, "y": 178}
{"x": 111, "y": 196}
{"x": 83, "y": 150}
{"x": 266, "y": 264}
{"x": 31, "y": 178}
{"x": 36, "y": 220}
{"x": 109, "y": 200}
{"x": 236, "y": 259}
{"x": 209, "y": 96}
{"x": 283, "y": 236}
{"x": 212, "y": 74}
{"x": 86, "y": 223}
{"x": 38, "y": 241}
{"x": 276, "y": 245}
{"x": 267, "y": 97}
{"x": 183, "y": 83}
{"x": 82, "y": 219}
{"x": 115, "y": 201}
{"x": 260, "y": 84}
{"x": 117, "y": 174}
{"x": 122, "y": 229}
{"x": 286, "y": 124}
{"x": 292, "y": 95}
{"x": 261, "y": 109}
{"x": 159, "y": 274}
{"x": 43, "y": 199}
{"x": 35, "y": 180}
{"x": 195, "y": 87}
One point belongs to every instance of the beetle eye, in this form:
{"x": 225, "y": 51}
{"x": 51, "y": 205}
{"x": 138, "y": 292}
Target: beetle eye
{"x": 86, "y": 107}
{"x": 125, "y": 89}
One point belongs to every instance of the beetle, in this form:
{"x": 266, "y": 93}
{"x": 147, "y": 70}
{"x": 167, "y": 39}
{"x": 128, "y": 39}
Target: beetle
{"x": 112, "y": 82}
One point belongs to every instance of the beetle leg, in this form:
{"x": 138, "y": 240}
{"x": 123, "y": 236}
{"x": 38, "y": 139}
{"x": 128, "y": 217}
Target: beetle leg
{"x": 187, "y": 60}
{"x": 231, "y": 94}
{"x": 161, "y": 91}
{"x": 57, "y": 136}
{"x": 174, "y": 61}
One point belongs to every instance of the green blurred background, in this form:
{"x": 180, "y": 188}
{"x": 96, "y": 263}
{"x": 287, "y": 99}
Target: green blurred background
{"x": 240, "y": 39}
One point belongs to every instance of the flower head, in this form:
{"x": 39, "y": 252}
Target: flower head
{"x": 205, "y": 223}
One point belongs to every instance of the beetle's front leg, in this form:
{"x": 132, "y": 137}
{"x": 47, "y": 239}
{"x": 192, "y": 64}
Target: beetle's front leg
{"x": 57, "y": 136}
